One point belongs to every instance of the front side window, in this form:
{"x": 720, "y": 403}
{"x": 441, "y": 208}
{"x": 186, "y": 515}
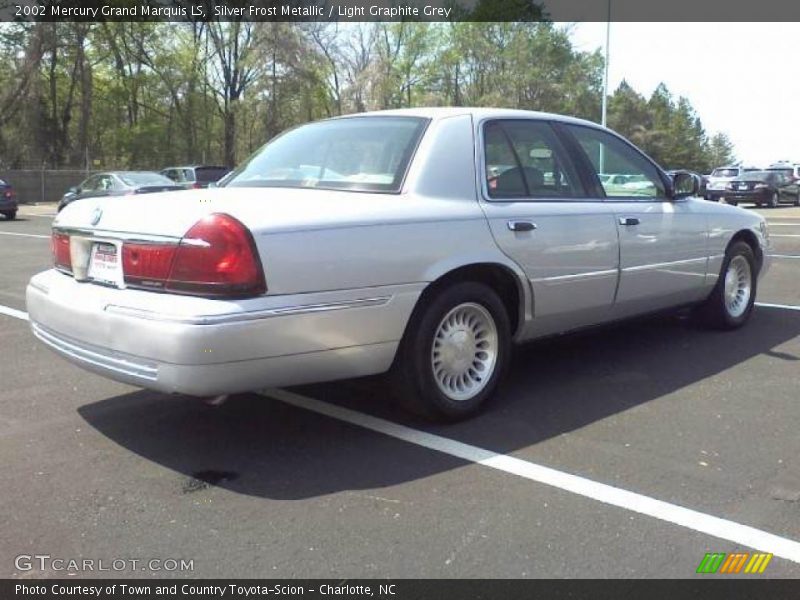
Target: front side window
{"x": 355, "y": 153}
{"x": 623, "y": 171}
{"x": 524, "y": 160}
{"x": 106, "y": 183}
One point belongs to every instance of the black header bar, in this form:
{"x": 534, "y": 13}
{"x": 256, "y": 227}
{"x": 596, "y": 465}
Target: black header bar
{"x": 707, "y": 588}
{"x": 349, "y": 11}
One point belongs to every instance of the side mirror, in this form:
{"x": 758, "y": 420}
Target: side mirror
{"x": 73, "y": 190}
{"x": 684, "y": 184}
{"x": 212, "y": 184}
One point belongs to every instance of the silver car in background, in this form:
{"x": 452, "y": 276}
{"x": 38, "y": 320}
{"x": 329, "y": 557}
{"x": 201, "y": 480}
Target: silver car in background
{"x": 422, "y": 242}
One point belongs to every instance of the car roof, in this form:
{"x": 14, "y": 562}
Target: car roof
{"x": 129, "y": 172}
{"x": 437, "y": 113}
{"x": 195, "y": 167}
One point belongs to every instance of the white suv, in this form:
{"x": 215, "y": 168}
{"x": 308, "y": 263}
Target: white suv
{"x": 719, "y": 178}
{"x": 789, "y": 169}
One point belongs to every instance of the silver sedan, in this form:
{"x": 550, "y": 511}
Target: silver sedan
{"x": 422, "y": 242}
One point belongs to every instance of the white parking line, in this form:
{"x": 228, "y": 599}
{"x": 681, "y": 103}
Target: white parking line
{"x": 608, "y": 494}
{"x": 783, "y": 256}
{"x": 42, "y": 215}
{"x": 13, "y": 312}
{"x": 790, "y": 235}
{"x": 784, "y": 224}
{"x": 29, "y": 235}
{"x": 581, "y": 486}
{"x": 783, "y": 306}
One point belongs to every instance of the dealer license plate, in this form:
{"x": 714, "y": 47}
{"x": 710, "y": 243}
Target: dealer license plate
{"x": 105, "y": 265}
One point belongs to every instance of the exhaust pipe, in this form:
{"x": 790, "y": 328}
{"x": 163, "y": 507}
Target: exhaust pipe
{"x": 216, "y": 400}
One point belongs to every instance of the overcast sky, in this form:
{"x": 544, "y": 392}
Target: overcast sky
{"x": 741, "y": 78}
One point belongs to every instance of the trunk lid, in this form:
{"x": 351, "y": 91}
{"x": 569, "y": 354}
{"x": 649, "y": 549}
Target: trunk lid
{"x": 260, "y": 209}
{"x": 149, "y": 189}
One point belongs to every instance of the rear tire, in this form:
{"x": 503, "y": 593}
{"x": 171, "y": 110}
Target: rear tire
{"x": 10, "y": 214}
{"x": 454, "y": 353}
{"x": 797, "y": 199}
{"x": 731, "y": 302}
{"x": 774, "y": 200}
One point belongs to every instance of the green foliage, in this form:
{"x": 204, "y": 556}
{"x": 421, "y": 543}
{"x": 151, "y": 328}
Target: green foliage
{"x": 667, "y": 129}
{"x": 148, "y": 94}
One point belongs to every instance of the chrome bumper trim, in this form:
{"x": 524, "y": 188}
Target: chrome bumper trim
{"x": 124, "y": 236}
{"x": 245, "y": 316}
{"x": 123, "y": 364}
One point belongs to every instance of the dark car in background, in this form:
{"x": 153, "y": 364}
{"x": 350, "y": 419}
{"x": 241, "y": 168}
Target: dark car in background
{"x": 196, "y": 176}
{"x": 8, "y": 200}
{"x": 119, "y": 183}
{"x": 768, "y": 188}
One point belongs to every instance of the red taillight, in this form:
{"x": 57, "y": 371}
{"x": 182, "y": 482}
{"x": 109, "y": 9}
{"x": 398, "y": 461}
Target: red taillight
{"x": 59, "y": 244}
{"x": 147, "y": 265}
{"x": 217, "y": 257}
{"x": 196, "y": 186}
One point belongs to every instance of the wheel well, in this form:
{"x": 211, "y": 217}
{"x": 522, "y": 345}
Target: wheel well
{"x": 498, "y": 277}
{"x": 749, "y": 238}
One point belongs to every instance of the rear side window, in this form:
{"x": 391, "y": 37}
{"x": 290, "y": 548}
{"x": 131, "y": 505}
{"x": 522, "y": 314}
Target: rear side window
{"x": 524, "y": 160}
{"x": 353, "y": 153}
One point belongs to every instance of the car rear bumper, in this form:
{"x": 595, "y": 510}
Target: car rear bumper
{"x": 756, "y": 196}
{"x": 200, "y": 351}
{"x": 8, "y": 203}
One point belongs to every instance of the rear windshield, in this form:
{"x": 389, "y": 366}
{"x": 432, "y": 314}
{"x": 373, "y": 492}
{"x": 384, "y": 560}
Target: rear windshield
{"x": 144, "y": 179}
{"x": 725, "y": 173}
{"x": 788, "y": 172}
{"x": 355, "y": 153}
{"x": 2, "y": 182}
{"x": 756, "y": 175}
{"x": 209, "y": 174}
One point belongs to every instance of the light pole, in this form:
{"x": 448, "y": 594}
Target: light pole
{"x": 604, "y": 105}
{"x": 605, "y": 74}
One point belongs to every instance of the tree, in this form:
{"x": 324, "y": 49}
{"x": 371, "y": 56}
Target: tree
{"x": 234, "y": 68}
{"x": 142, "y": 95}
{"x": 720, "y": 151}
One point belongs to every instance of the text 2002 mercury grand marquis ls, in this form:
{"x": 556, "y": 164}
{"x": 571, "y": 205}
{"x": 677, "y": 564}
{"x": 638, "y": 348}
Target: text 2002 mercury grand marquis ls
{"x": 422, "y": 242}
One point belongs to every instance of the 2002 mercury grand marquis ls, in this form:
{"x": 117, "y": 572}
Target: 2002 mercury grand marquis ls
{"x": 422, "y": 242}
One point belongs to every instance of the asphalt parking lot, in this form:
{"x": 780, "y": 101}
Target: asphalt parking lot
{"x": 266, "y": 487}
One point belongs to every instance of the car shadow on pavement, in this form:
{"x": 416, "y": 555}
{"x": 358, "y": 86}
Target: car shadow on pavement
{"x": 262, "y": 447}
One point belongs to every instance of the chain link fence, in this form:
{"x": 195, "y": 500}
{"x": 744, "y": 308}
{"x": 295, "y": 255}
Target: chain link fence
{"x": 42, "y": 185}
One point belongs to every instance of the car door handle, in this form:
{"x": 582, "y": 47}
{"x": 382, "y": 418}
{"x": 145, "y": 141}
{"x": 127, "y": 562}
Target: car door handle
{"x": 521, "y": 226}
{"x": 628, "y": 221}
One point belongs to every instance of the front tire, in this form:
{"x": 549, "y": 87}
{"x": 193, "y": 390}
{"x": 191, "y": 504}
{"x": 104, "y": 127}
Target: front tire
{"x": 10, "y": 214}
{"x": 731, "y": 303}
{"x": 454, "y": 353}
